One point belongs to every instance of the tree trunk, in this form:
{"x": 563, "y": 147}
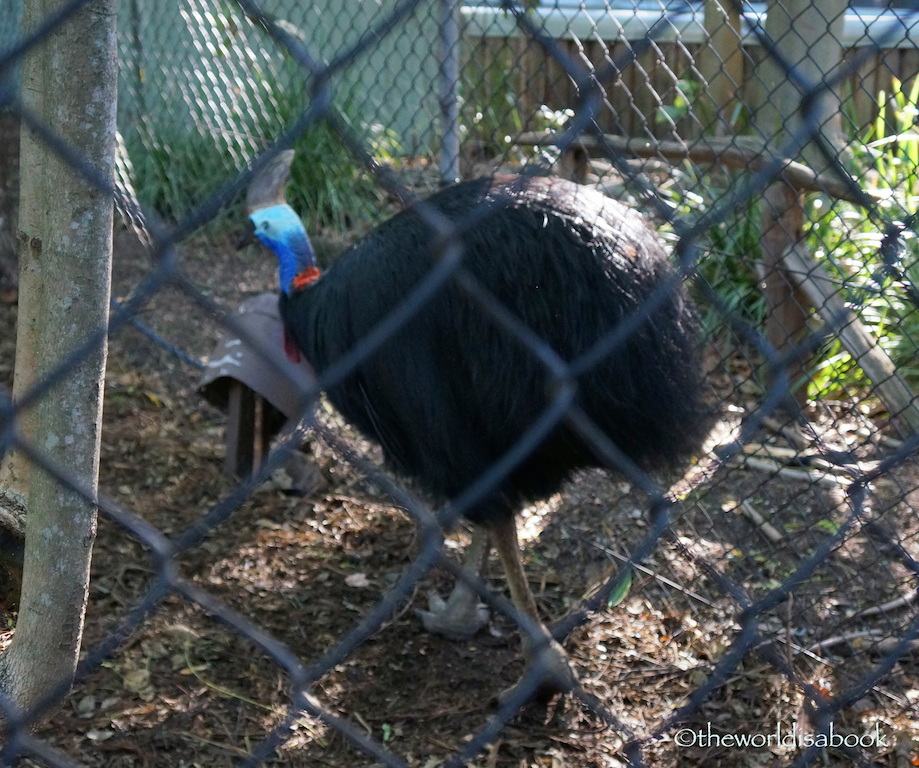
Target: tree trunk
{"x": 65, "y": 242}
{"x": 9, "y": 169}
{"x": 9, "y": 173}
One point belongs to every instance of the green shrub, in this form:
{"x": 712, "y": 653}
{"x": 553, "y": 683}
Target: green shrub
{"x": 847, "y": 241}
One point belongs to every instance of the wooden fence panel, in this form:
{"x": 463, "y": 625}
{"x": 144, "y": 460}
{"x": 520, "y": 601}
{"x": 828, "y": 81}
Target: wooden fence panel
{"x": 658, "y": 77}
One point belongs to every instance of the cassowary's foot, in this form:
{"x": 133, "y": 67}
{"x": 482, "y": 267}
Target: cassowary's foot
{"x": 299, "y": 476}
{"x": 461, "y": 615}
{"x": 458, "y": 617}
{"x": 556, "y": 674}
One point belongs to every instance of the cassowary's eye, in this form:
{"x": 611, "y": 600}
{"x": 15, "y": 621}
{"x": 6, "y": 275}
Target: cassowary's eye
{"x": 264, "y": 225}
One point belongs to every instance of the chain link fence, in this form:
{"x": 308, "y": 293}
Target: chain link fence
{"x": 760, "y": 608}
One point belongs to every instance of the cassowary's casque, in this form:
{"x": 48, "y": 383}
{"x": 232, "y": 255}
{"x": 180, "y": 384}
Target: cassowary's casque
{"x": 449, "y": 393}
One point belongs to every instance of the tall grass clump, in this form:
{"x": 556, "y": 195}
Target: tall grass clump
{"x": 175, "y": 172}
{"x": 176, "y": 169}
{"x": 329, "y": 187}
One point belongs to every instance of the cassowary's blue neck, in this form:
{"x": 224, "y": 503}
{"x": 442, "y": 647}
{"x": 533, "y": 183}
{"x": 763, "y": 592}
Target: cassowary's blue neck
{"x": 281, "y": 230}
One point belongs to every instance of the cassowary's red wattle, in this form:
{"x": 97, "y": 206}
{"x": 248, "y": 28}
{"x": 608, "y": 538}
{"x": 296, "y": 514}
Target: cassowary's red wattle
{"x": 290, "y": 349}
{"x": 307, "y": 277}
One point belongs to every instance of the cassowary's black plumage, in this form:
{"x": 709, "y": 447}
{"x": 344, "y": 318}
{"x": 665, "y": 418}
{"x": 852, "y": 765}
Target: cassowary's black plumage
{"x": 452, "y": 391}
{"x": 449, "y": 393}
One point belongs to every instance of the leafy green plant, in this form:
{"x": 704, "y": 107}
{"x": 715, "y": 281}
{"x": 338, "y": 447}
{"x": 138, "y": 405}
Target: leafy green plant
{"x": 733, "y": 250}
{"x": 691, "y": 99}
{"x": 848, "y": 242}
{"x": 493, "y": 113}
{"x": 686, "y": 94}
{"x": 729, "y": 250}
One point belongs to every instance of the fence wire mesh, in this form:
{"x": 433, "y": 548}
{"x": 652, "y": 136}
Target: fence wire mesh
{"x": 758, "y": 608}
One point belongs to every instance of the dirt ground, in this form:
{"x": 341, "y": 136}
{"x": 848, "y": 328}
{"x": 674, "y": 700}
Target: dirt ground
{"x": 185, "y": 689}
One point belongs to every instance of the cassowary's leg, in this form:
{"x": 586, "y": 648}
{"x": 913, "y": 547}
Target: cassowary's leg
{"x": 557, "y": 675}
{"x": 462, "y": 614}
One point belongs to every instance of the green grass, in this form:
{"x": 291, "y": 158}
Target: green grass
{"x": 732, "y": 253}
{"x": 329, "y": 188}
{"x": 175, "y": 172}
{"x": 730, "y": 250}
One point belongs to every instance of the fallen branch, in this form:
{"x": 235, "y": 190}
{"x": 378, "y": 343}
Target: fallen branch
{"x": 773, "y": 467}
{"x": 880, "y": 642}
{"x": 768, "y": 529}
{"x": 12, "y": 512}
{"x": 830, "y": 642}
{"x": 892, "y": 605}
{"x": 12, "y": 538}
{"x": 814, "y": 460}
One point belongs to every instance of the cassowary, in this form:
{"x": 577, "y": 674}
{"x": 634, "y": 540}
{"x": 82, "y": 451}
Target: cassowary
{"x": 452, "y": 390}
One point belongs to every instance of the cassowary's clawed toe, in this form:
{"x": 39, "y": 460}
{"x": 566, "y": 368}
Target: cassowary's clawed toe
{"x": 550, "y": 663}
{"x": 458, "y": 617}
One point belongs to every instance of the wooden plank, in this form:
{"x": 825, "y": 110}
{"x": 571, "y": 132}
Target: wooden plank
{"x": 749, "y": 93}
{"x": 240, "y": 435}
{"x": 619, "y": 92}
{"x": 720, "y": 61}
{"x": 895, "y": 393}
{"x": 859, "y": 92}
{"x": 644, "y": 96}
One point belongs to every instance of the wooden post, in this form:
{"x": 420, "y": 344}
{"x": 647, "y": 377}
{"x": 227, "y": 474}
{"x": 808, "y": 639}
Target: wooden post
{"x": 239, "y": 429}
{"x": 807, "y": 34}
{"x": 250, "y": 426}
{"x": 787, "y": 307}
{"x": 252, "y": 423}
